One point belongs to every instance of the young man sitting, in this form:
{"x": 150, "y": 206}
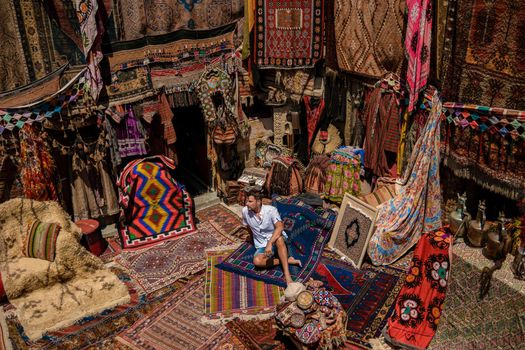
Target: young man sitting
{"x": 266, "y": 226}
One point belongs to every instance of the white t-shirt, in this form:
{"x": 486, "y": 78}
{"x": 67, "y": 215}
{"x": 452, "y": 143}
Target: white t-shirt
{"x": 262, "y": 227}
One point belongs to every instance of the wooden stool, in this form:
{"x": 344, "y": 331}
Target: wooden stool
{"x": 92, "y": 236}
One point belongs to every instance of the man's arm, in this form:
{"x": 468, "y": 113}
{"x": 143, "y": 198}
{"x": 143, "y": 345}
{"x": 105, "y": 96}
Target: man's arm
{"x": 279, "y": 227}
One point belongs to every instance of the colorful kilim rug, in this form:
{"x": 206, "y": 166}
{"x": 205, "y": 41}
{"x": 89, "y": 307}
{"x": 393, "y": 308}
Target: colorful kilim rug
{"x": 154, "y": 206}
{"x": 368, "y": 296}
{"x": 175, "y": 324}
{"x": 288, "y": 34}
{"x": 231, "y": 295}
{"x": 487, "y": 67}
{"x": 157, "y": 267}
{"x": 496, "y": 322}
{"x": 369, "y": 36}
{"x": 499, "y": 166}
{"x": 308, "y": 231}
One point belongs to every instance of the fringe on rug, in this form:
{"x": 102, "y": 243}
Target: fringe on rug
{"x": 220, "y": 321}
{"x": 489, "y": 179}
{"x": 224, "y": 247}
{"x": 379, "y": 344}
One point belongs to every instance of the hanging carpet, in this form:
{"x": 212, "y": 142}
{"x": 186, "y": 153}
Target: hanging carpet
{"x": 137, "y": 19}
{"x": 288, "y": 34}
{"x": 154, "y": 206}
{"x": 487, "y": 65}
{"x": 369, "y": 36}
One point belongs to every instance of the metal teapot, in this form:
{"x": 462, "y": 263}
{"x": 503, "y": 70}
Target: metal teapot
{"x": 460, "y": 218}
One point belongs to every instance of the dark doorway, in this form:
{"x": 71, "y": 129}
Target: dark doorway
{"x": 193, "y": 169}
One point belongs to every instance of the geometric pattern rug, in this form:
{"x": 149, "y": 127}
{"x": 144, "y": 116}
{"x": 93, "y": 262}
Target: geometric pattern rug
{"x": 175, "y": 323}
{"x": 368, "y": 296}
{"x": 222, "y": 218}
{"x": 308, "y": 230}
{"x": 496, "y": 322}
{"x": 230, "y": 295}
{"x": 163, "y": 264}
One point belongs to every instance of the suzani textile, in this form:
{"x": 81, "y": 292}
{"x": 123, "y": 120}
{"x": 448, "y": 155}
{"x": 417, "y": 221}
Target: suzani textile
{"x": 420, "y": 303}
{"x": 417, "y": 45}
{"x": 416, "y": 208}
{"x": 154, "y": 207}
{"x": 288, "y": 34}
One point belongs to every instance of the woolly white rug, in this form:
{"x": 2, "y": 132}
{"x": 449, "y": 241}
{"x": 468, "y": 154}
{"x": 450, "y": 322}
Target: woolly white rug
{"x": 62, "y": 304}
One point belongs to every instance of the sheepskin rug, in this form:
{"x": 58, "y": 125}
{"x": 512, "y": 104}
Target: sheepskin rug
{"x": 52, "y": 295}
{"x": 62, "y": 304}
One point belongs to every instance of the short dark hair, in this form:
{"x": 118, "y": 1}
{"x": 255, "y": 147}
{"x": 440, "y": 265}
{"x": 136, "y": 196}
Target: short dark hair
{"x": 254, "y": 191}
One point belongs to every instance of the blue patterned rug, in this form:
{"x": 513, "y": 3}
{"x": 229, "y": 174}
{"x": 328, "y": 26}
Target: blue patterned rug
{"x": 367, "y": 295}
{"x": 308, "y": 229}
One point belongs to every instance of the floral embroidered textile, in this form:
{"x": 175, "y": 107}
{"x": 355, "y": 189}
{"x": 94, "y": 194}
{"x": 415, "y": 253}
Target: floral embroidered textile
{"x": 420, "y": 303}
{"x": 342, "y": 175}
{"x": 416, "y": 208}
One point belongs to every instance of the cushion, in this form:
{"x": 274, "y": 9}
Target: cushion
{"x": 41, "y": 240}
{"x": 380, "y": 195}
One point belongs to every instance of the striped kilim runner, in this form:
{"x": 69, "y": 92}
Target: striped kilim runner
{"x": 229, "y": 295}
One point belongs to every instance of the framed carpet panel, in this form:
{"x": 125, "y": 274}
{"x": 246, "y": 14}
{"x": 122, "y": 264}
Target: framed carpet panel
{"x": 353, "y": 229}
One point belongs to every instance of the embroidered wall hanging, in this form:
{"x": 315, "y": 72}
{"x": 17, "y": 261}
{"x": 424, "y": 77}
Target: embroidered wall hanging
{"x": 288, "y": 34}
{"x": 212, "y": 83}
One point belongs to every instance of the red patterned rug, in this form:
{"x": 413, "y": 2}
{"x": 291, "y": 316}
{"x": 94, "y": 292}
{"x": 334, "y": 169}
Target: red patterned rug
{"x": 288, "y": 33}
{"x": 165, "y": 263}
{"x": 258, "y": 335}
{"x": 222, "y": 218}
{"x": 114, "y": 248}
{"x": 175, "y": 324}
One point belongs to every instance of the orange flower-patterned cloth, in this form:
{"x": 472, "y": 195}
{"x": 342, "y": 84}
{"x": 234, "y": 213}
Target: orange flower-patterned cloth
{"x": 420, "y": 302}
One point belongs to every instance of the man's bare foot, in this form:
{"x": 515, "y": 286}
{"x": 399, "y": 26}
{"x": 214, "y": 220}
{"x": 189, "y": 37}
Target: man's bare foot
{"x": 294, "y": 261}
